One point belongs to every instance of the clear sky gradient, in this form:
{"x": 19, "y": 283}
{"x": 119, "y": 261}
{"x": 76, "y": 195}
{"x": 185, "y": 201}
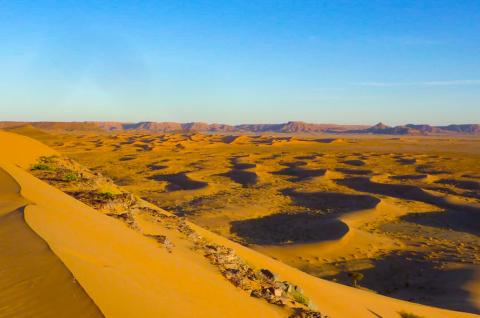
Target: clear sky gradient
{"x": 241, "y": 61}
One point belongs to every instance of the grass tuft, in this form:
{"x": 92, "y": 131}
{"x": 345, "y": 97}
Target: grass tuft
{"x": 299, "y": 297}
{"x": 108, "y": 191}
{"x": 71, "y": 177}
{"x": 42, "y": 166}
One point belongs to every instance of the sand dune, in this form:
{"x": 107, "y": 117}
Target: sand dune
{"x": 33, "y": 280}
{"x": 126, "y": 274}
{"x": 129, "y": 275}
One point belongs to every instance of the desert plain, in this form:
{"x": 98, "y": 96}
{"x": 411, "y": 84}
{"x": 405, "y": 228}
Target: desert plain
{"x": 396, "y": 216}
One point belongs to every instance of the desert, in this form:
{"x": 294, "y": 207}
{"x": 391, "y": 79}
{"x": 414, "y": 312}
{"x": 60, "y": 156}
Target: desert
{"x": 385, "y": 216}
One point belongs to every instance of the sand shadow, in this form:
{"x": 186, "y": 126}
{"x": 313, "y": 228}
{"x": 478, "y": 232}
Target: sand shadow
{"x": 460, "y": 221}
{"x": 156, "y": 166}
{"x": 410, "y": 276}
{"x": 461, "y": 184}
{"x": 289, "y": 228}
{"x": 327, "y": 140}
{"x": 245, "y": 178}
{"x": 430, "y": 169}
{"x": 127, "y": 158}
{"x": 241, "y": 165}
{"x": 179, "y": 181}
{"x": 359, "y": 172}
{"x": 409, "y": 177}
{"x": 307, "y": 157}
{"x": 332, "y": 202}
{"x": 298, "y": 172}
{"x": 354, "y": 162}
{"x": 406, "y": 161}
{"x": 401, "y": 191}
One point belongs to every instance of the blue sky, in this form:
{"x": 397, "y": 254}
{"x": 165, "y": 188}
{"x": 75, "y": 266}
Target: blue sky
{"x": 241, "y": 61}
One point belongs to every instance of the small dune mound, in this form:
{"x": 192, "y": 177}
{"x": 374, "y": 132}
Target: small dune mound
{"x": 182, "y": 145}
{"x": 329, "y": 140}
{"x": 156, "y": 166}
{"x": 294, "y": 164}
{"x": 245, "y": 178}
{"x": 236, "y": 140}
{"x": 354, "y": 162}
{"x": 179, "y": 181}
{"x": 471, "y": 176}
{"x": 280, "y": 141}
{"x": 406, "y": 161}
{"x": 332, "y": 202}
{"x": 461, "y": 221}
{"x": 402, "y": 191}
{"x": 288, "y": 228}
{"x": 409, "y": 177}
{"x": 197, "y": 137}
{"x": 360, "y": 172}
{"x": 461, "y": 184}
{"x": 127, "y": 158}
{"x": 306, "y": 157}
{"x": 430, "y": 169}
{"x": 241, "y": 165}
{"x": 244, "y": 165}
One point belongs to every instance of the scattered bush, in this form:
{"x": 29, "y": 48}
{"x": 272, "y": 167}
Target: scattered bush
{"x": 107, "y": 195}
{"x": 48, "y": 159}
{"x": 356, "y": 277}
{"x": 404, "y": 314}
{"x": 45, "y": 163}
{"x": 299, "y": 297}
{"x": 42, "y": 166}
{"x": 70, "y": 177}
{"x": 108, "y": 191}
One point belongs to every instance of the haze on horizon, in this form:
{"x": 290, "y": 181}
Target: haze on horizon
{"x": 241, "y": 62}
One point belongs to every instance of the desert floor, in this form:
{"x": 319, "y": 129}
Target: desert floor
{"x": 404, "y": 212}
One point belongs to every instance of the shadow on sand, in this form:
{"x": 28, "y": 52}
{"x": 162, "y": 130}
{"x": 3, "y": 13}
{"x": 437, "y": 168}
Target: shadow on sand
{"x": 287, "y": 228}
{"x": 407, "y": 192}
{"x": 179, "y": 181}
{"x": 298, "y": 172}
{"x": 408, "y": 276}
{"x": 460, "y": 221}
{"x": 332, "y": 202}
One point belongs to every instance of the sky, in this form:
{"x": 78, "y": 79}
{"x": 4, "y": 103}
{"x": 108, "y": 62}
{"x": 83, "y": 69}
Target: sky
{"x": 346, "y": 62}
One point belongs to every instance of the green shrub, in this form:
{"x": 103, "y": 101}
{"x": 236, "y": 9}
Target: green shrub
{"x": 108, "y": 191}
{"x": 42, "y": 166}
{"x": 107, "y": 195}
{"x": 404, "y": 314}
{"x": 299, "y": 297}
{"x": 70, "y": 177}
{"x": 47, "y": 159}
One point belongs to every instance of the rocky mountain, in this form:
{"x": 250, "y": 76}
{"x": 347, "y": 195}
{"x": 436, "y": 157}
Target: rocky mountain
{"x": 289, "y": 127}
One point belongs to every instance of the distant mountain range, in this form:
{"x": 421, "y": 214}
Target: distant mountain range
{"x": 289, "y": 127}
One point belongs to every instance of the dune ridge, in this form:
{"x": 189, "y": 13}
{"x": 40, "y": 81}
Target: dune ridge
{"x": 32, "y": 276}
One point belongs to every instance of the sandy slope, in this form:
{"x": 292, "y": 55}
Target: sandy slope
{"x": 128, "y": 275}
{"x": 33, "y": 281}
{"x": 22, "y": 151}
